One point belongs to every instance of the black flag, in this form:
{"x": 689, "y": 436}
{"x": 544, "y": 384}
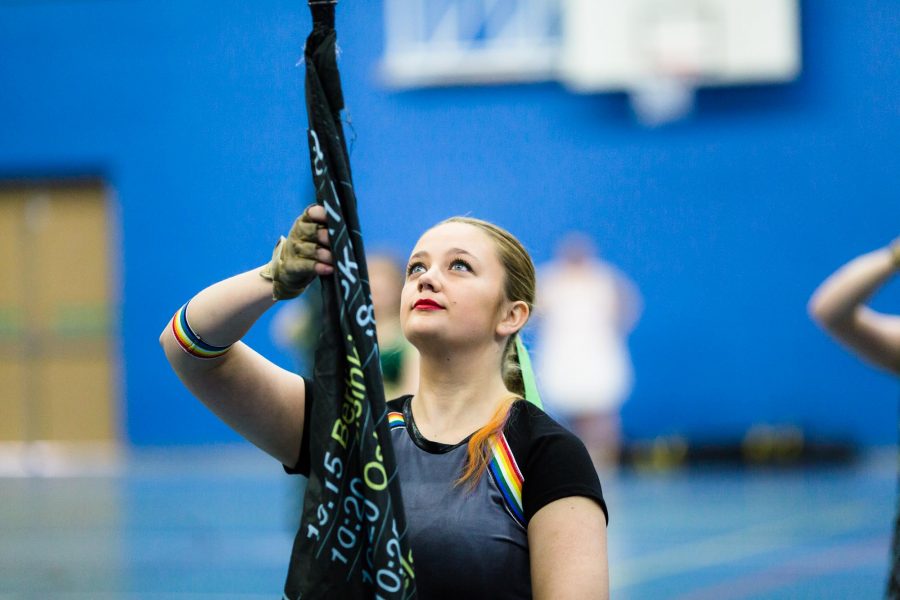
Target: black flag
{"x": 352, "y": 541}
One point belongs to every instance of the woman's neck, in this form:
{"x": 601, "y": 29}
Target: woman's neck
{"x": 458, "y": 393}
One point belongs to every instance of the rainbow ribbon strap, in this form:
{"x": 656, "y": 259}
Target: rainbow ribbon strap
{"x": 395, "y": 419}
{"x": 190, "y": 342}
{"x": 508, "y": 477}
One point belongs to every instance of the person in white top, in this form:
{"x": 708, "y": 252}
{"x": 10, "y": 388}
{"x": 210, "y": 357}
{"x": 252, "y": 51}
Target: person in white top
{"x": 586, "y": 309}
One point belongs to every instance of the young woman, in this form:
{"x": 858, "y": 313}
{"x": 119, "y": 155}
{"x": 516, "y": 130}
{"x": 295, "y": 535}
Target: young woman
{"x": 839, "y": 306}
{"x": 469, "y": 290}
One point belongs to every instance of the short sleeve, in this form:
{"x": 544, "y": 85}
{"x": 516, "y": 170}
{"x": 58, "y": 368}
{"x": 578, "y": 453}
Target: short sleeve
{"x": 302, "y": 466}
{"x": 558, "y": 466}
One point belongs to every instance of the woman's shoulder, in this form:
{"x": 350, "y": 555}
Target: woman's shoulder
{"x": 531, "y": 433}
{"x": 553, "y": 462}
{"x": 529, "y": 422}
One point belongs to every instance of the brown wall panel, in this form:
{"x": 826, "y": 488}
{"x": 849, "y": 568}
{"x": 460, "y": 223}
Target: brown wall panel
{"x": 12, "y": 215}
{"x": 75, "y": 397}
{"x": 55, "y": 369}
{"x": 70, "y": 254}
{"x": 12, "y": 399}
{"x": 13, "y": 387}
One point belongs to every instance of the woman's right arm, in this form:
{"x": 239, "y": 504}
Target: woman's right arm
{"x": 258, "y": 399}
{"x": 261, "y": 401}
{"x": 838, "y": 306}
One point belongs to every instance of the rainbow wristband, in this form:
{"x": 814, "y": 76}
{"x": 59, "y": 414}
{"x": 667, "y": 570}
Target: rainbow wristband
{"x": 190, "y": 342}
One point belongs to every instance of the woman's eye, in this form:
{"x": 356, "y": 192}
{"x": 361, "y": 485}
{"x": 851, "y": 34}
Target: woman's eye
{"x": 460, "y": 265}
{"x": 415, "y": 268}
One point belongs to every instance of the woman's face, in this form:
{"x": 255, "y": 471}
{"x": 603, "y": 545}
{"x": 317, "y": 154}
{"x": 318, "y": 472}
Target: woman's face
{"x": 453, "y": 293}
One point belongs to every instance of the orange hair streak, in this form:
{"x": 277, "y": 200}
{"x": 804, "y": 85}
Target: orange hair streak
{"x": 478, "y": 451}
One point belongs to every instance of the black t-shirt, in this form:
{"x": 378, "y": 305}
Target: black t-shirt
{"x": 473, "y": 543}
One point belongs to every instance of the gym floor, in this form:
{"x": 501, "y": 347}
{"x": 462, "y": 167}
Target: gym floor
{"x": 218, "y": 523}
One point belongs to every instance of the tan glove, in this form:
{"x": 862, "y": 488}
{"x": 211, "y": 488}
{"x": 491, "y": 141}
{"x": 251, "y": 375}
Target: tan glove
{"x": 292, "y": 267}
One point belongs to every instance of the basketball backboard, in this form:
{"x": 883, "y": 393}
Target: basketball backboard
{"x": 658, "y": 51}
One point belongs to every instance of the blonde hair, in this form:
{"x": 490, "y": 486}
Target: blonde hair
{"x": 520, "y": 284}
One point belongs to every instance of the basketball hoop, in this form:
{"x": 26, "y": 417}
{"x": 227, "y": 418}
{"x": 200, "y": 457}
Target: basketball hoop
{"x": 678, "y": 48}
{"x": 662, "y": 99}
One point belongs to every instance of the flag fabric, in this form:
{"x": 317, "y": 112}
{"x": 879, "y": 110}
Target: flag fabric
{"x": 352, "y": 542}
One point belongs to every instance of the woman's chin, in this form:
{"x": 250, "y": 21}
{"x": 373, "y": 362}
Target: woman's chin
{"x": 424, "y": 335}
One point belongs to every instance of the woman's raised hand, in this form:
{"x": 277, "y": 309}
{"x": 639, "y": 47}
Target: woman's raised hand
{"x": 301, "y": 256}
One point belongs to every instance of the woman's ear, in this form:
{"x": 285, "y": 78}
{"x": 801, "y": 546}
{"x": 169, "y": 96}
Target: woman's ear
{"x": 513, "y": 319}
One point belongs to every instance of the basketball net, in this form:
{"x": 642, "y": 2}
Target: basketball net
{"x": 676, "y": 54}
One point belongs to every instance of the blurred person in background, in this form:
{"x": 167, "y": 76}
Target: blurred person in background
{"x": 586, "y": 309}
{"x": 839, "y": 307}
{"x": 399, "y": 359}
{"x": 296, "y": 326}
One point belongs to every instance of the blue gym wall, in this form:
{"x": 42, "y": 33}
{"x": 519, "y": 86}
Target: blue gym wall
{"x": 192, "y": 112}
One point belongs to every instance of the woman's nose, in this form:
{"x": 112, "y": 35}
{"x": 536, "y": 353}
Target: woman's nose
{"x": 428, "y": 280}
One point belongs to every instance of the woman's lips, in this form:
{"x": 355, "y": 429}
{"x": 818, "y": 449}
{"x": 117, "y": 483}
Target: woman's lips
{"x": 427, "y": 305}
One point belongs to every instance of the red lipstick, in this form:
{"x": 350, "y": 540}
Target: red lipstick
{"x": 426, "y": 304}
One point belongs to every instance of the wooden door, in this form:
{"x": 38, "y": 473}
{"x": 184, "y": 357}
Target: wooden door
{"x": 56, "y": 369}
